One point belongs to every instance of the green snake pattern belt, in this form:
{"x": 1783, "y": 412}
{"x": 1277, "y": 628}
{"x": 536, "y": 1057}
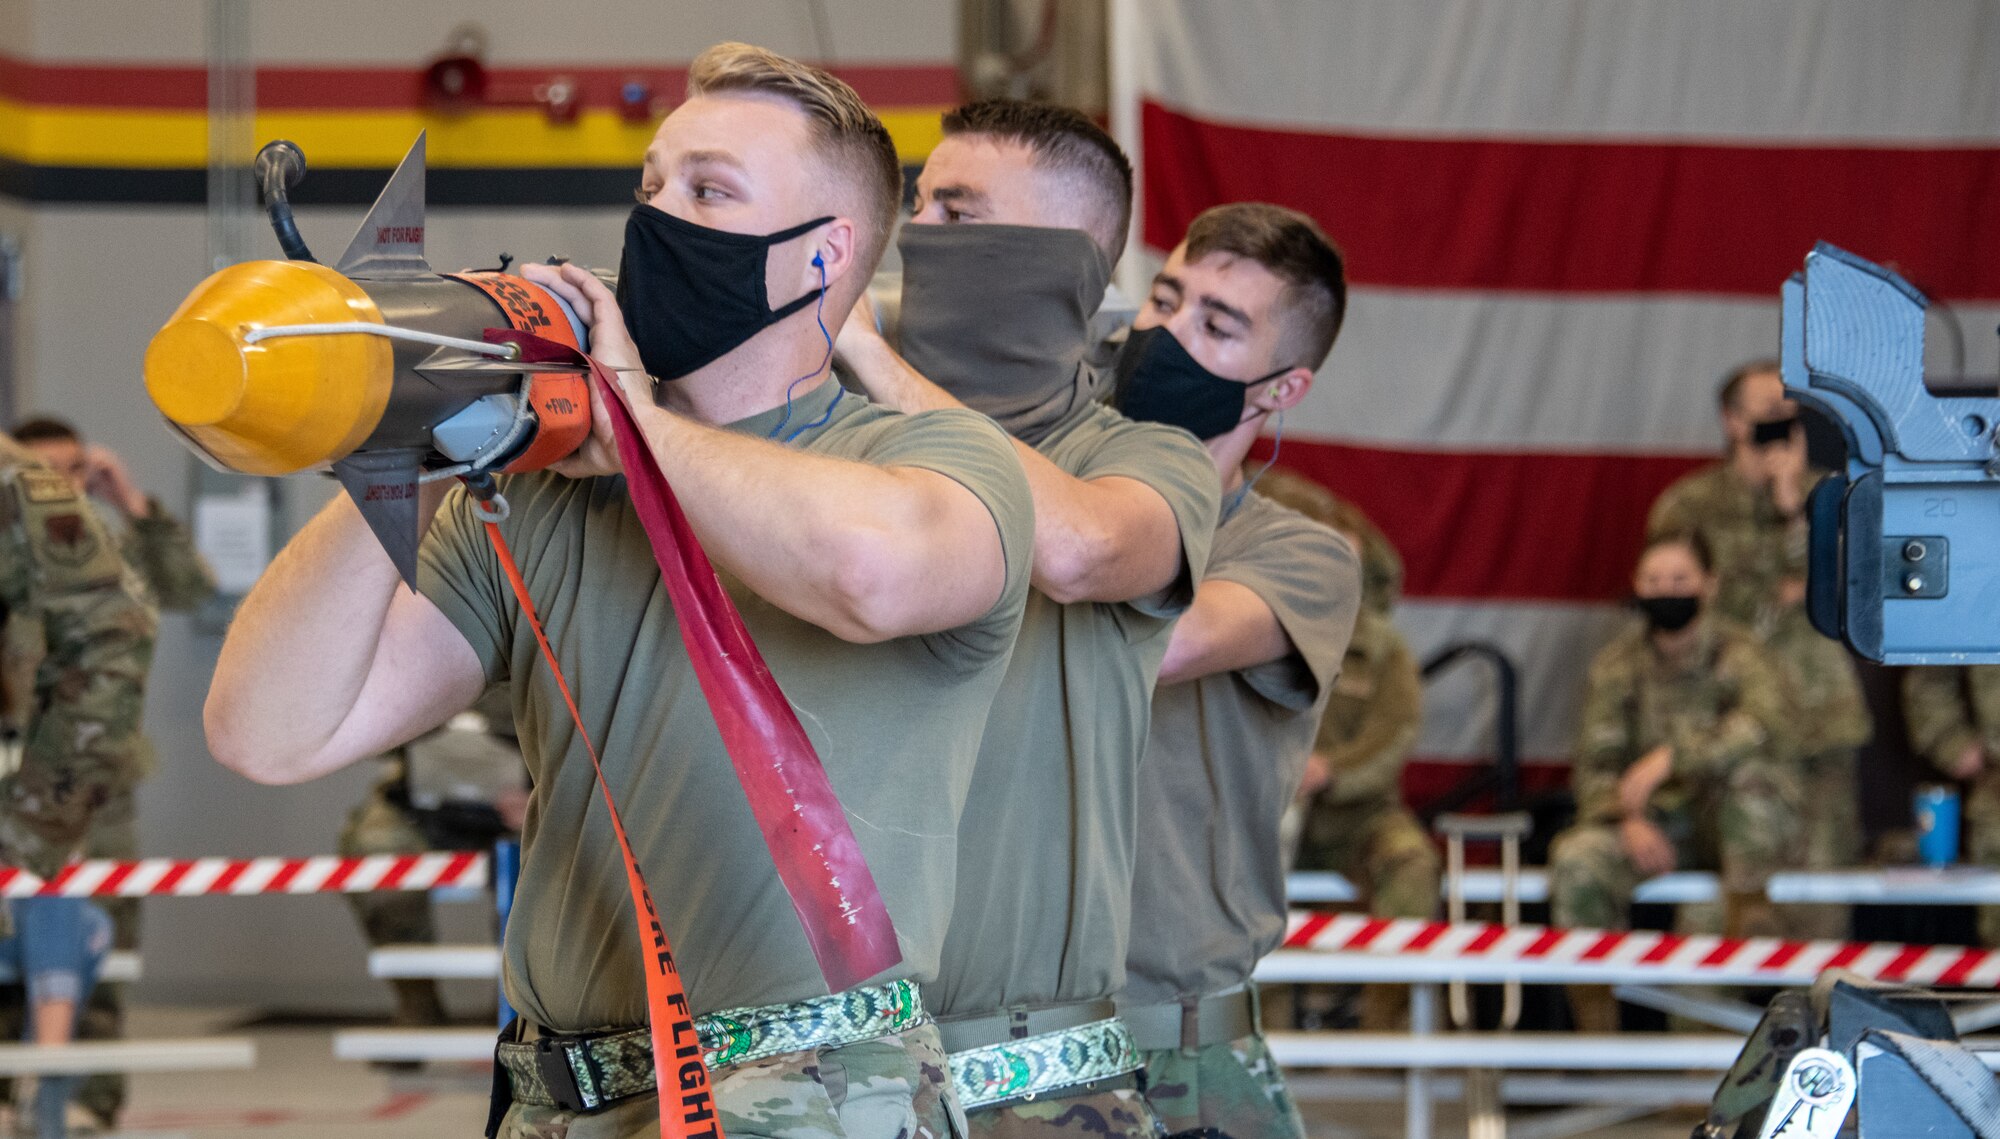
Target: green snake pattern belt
{"x": 584, "y": 1073}
{"x": 1038, "y": 1065}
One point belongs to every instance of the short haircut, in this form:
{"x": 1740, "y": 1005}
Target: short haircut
{"x": 1292, "y": 246}
{"x": 1690, "y": 540}
{"x": 1729, "y": 393}
{"x": 1064, "y": 142}
{"x": 46, "y": 429}
{"x": 850, "y": 140}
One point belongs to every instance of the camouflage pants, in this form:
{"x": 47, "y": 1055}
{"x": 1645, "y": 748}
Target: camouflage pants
{"x": 892, "y": 1087}
{"x": 1746, "y": 828}
{"x": 1833, "y": 839}
{"x": 1382, "y": 849}
{"x": 1112, "y": 1108}
{"x": 1982, "y": 843}
{"x": 1233, "y": 1088}
{"x": 393, "y": 917}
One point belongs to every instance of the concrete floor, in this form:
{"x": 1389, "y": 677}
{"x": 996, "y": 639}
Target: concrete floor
{"x": 299, "y": 1091}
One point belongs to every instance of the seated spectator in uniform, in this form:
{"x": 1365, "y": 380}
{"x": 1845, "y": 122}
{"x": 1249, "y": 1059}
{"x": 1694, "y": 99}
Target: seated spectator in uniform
{"x": 1684, "y": 761}
{"x": 1954, "y": 721}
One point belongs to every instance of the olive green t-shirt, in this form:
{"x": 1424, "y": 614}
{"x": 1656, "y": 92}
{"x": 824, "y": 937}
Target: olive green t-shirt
{"x": 1225, "y": 756}
{"x": 897, "y": 725}
{"x": 1045, "y": 873}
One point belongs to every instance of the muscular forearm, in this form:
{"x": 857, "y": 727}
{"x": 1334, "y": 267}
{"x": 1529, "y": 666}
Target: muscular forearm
{"x": 888, "y": 378}
{"x": 865, "y": 552}
{"x": 298, "y": 655}
{"x": 1093, "y": 542}
{"x": 1228, "y": 628}
{"x": 1112, "y": 539}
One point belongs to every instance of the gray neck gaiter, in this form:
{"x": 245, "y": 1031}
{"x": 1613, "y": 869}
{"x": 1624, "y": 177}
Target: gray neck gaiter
{"x": 999, "y": 316}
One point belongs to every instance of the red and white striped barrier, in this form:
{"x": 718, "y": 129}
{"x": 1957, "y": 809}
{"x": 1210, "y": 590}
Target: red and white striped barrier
{"x": 1637, "y": 954}
{"x": 192, "y": 877}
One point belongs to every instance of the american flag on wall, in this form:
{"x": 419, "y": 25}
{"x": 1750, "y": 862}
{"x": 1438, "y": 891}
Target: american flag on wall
{"x": 1564, "y": 221}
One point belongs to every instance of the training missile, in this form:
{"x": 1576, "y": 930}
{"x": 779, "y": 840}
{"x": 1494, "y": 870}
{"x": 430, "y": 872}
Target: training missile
{"x": 378, "y": 368}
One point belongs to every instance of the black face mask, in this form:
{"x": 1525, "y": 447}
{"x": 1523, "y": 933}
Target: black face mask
{"x": 691, "y": 294}
{"x": 1668, "y": 614}
{"x": 1158, "y": 382}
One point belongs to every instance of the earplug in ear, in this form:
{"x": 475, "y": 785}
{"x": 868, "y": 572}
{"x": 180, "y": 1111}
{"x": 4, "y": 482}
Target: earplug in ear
{"x": 819, "y": 261}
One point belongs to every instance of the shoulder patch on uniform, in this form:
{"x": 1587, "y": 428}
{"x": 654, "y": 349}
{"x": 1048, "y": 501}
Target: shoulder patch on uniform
{"x": 46, "y": 486}
{"x": 69, "y": 540}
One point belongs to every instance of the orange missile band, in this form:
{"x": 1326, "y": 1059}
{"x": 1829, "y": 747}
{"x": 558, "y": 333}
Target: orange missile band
{"x": 561, "y": 399}
{"x": 281, "y": 405}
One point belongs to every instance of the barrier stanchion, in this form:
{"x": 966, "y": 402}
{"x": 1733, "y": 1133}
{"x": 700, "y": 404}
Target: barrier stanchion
{"x": 506, "y": 872}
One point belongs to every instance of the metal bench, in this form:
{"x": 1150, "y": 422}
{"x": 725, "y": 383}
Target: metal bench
{"x": 84, "y": 1057}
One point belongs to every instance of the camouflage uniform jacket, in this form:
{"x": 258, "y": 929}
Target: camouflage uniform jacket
{"x": 1950, "y": 709}
{"x": 60, "y": 569}
{"x": 1725, "y": 705}
{"x": 1372, "y": 716}
{"x": 1823, "y": 685}
{"x": 1755, "y": 546}
{"x": 161, "y": 547}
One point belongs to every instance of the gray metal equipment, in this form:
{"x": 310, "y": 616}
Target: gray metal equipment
{"x": 1890, "y": 1053}
{"x": 1905, "y": 551}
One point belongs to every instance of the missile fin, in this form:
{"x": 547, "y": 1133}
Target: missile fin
{"x": 383, "y": 485}
{"x": 390, "y": 242}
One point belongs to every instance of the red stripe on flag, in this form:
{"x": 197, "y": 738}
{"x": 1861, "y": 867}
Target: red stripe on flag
{"x": 1589, "y": 217}
{"x": 1957, "y": 972}
{"x": 1605, "y": 943}
{"x": 1366, "y": 935}
{"x": 1721, "y": 954}
{"x": 1542, "y": 945}
{"x": 1500, "y": 525}
{"x": 1900, "y": 964}
{"x": 1425, "y": 937}
{"x": 1662, "y": 949}
{"x": 1845, "y": 956}
{"x": 1311, "y": 929}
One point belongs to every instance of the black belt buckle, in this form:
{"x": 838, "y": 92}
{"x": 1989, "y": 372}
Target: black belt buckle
{"x": 557, "y": 1059}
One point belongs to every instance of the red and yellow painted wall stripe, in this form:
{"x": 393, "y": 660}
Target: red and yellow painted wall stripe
{"x": 133, "y": 133}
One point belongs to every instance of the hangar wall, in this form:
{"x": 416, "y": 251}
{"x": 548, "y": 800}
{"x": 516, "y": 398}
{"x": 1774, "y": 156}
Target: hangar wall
{"x": 104, "y": 99}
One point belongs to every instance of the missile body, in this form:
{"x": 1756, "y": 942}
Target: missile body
{"x": 378, "y": 368}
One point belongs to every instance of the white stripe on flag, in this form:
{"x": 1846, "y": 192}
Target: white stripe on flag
{"x": 1703, "y": 70}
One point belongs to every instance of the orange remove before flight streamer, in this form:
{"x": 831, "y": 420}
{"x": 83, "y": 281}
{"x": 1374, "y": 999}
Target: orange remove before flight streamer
{"x": 280, "y": 405}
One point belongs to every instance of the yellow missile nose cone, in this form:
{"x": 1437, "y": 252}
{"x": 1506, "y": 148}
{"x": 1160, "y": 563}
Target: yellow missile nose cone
{"x": 284, "y": 403}
{"x": 196, "y": 372}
